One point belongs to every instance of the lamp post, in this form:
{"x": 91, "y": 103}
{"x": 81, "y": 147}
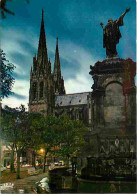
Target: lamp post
{"x": 41, "y": 151}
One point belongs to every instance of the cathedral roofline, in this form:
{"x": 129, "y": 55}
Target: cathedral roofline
{"x": 74, "y": 93}
{"x": 71, "y": 99}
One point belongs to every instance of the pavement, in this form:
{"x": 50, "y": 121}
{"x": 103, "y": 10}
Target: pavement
{"x": 28, "y": 184}
{"x": 24, "y": 185}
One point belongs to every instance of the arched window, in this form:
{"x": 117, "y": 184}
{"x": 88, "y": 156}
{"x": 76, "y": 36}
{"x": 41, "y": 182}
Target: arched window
{"x": 34, "y": 91}
{"x": 41, "y": 89}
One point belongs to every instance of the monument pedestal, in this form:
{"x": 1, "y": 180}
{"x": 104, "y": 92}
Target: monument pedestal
{"x": 113, "y": 100}
{"x": 114, "y": 96}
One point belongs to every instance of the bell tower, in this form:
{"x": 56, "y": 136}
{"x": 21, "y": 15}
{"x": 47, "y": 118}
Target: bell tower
{"x": 41, "y": 96}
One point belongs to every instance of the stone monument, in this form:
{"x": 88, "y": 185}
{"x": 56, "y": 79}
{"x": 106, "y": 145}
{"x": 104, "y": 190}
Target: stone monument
{"x": 113, "y": 109}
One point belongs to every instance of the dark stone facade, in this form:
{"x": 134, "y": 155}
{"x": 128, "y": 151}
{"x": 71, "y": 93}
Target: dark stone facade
{"x": 111, "y": 147}
{"x": 74, "y": 105}
{"x": 113, "y": 101}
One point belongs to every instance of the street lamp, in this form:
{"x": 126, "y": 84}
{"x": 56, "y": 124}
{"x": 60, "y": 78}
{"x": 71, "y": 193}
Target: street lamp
{"x": 41, "y": 150}
{"x": 41, "y": 153}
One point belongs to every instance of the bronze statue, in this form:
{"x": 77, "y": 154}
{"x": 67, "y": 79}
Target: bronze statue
{"x": 111, "y": 34}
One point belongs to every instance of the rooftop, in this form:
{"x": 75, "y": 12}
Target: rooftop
{"x": 71, "y": 99}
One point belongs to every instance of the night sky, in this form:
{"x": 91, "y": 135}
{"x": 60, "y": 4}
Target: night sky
{"x": 77, "y": 25}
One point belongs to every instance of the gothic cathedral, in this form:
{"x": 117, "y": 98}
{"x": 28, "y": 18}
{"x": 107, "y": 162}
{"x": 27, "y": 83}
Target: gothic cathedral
{"x": 44, "y": 84}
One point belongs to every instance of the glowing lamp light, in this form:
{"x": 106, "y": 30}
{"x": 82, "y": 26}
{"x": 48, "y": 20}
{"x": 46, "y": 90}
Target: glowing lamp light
{"x": 41, "y": 150}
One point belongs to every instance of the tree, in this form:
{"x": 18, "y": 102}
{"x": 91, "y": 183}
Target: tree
{"x": 72, "y": 137}
{"x": 4, "y": 9}
{"x": 15, "y": 130}
{"x": 6, "y": 78}
{"x": 63, "y": 135}
{"x": 7, "y": 115}
{"x": 21, "y": 131}
{"x": 35, "y": 121}
{"x": 50, "y": 135}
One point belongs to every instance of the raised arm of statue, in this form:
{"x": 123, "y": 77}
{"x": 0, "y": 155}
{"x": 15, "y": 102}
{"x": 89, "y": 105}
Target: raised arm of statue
{"x": 122, "y": 16}
{"x": 127, "y": 10}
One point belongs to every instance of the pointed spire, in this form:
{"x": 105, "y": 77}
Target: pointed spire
{"x": 42, "y": 48}
{"x": 58, "y": 84}
{"x": 57, "y": 42}
{"x": 31, "y": 71}
{"x": 42, "y": 14}
{"x": 49, "y": 65}
{"x": 34, "y": 63}
{"x": 57, "y": 48}
{"x": 57, "y": 69}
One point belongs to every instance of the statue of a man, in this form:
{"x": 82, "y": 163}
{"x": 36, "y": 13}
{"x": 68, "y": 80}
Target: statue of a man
{"x": 111, "y": 34}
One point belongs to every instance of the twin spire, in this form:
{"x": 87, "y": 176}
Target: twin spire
{"x": 42, "y": 48}
{"x": 42, "y": 52}
{"x": 42, "y": 66}
{"x": 57, "y": 69}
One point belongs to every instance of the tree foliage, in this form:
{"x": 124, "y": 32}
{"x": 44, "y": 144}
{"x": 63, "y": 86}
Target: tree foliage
{"x": 50, "y": 135}
{"x": 36, "y": 121}
{"x": 4, "y": 9}
{"x": 14, "y": 125}
{"x": 15, "y": 131}
{"x": 7, "y": 80}
{"x": 66, "y": 136}
{"x": 35, "y": 125}
{"x": 22, "y": 131}
{"x": 72, "y": 136}
{"x": 32, "y": 130}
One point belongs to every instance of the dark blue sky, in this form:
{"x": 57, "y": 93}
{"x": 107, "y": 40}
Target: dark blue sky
{"x": 77, "y": 25}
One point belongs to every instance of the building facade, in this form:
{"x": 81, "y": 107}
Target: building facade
{"x": 44, "y": 84}
{"x": 47, "y": 92}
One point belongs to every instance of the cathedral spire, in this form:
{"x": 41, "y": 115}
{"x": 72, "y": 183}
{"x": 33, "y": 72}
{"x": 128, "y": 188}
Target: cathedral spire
{"x": 58, "y": 80}
{"x": 57, "y": 69}
{"x": 49, "y": 67}
{"x": 42, "y": 48}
